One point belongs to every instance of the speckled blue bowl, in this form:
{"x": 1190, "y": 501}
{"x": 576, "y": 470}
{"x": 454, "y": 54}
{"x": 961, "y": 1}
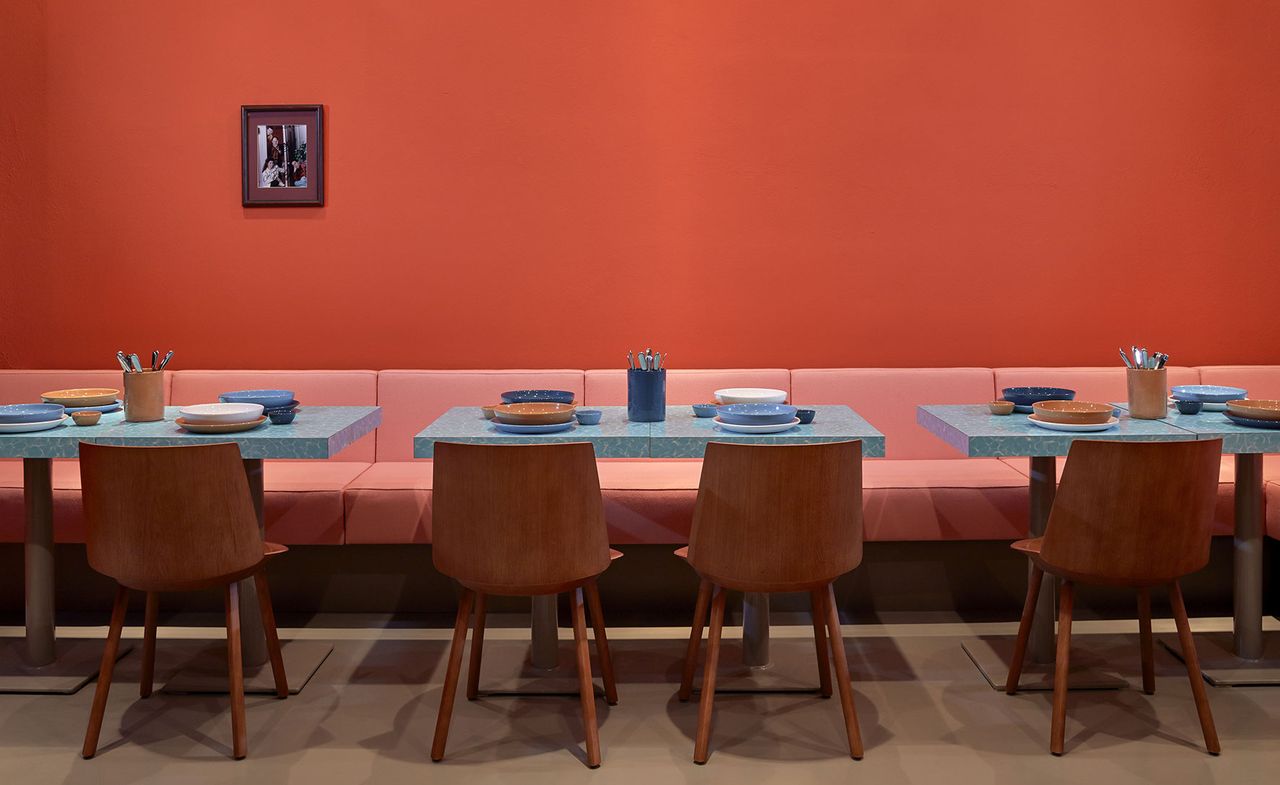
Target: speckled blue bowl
{"x": 757, "y": 413}
{"x": 588, "y": 416}
{"x": 1025, "y": 396}
{"x": 705, "y": 409}
{"x": 270, "y": 399}
{"x": 537, "y": 396}
{"x": 30, "y": 412}
{"x": 282, "y": 417}
{"x": 806, "y": 415}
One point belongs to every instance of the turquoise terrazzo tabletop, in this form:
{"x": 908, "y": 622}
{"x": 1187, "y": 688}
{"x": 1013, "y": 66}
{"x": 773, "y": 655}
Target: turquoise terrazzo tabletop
{"x": 614, "y": 437}
{"x": 1235, "y": 438}
{"x": 317, "y": 432}
{"x": 682, "y": 435}
{"x": 975, "y": 432}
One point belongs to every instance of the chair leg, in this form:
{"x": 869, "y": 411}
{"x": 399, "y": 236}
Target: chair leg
{"x": 235, "y": 668}
{"x": 477, "y": 649}
{"x": 1024, "y": 630}
{"x": 817, "y": 600}
{"x": 109, "y": 653}
{"x": 149, "y": 645}
{"x": 273, "y": 637}
{"x": 1144, "y": 640}
{"x": 586, "y": 689}
{"x": 1062, "y": 668}
{"x": 842, "y": 676}
{"x": 445, "y": 713}
{"x": 1189, "y": 656}
{"x": 701, "y": 746}
{"x": 602, "y": 643}
{"x": 695, "y": 640}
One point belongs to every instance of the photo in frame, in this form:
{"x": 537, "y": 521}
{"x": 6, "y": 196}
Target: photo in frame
{"x": 282, "y": 149}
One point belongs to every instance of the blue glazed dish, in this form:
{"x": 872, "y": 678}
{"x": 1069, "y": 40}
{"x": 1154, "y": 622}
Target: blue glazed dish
{"x": 30, "y": 412}
{"x": 288, "y": 407}
{"x": 1208, "y": 393}
{"x": 806, "y": 415}
{"x": 756, "y": 413}
{"x": 1250, "y": 422}
{"x": 282, "y": 417}
{"x": 705, "y": 409}
{"x": 270, "y": 399}
{"x": 1025, "y": 396}
{"x": 537, "y": 396}
{"x": 1188, "y": 407}
{"x": 104, "y": 409}
{"x": 588, "y": 416}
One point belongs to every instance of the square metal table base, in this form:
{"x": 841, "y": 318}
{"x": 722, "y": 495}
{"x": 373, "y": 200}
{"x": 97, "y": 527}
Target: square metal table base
{"x": 77, "y": 665}
{"x": 1223, "y": 668}
{"x": 1089, "y": 662}
{"x": 207, "y": 672}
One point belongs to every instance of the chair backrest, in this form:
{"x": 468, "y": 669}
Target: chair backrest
{"x": 168, "y": 517}
{"x": 1134, "y": 513}
{"x": 778, "y": 517}
{"x": 524, "y": 519}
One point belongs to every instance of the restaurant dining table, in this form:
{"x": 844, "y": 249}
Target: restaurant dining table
{"x": 975, "y": 432}
{"x": 1247, "y": 656}
{"x": 680, "y": 435}
{"x": 43, "y": 664}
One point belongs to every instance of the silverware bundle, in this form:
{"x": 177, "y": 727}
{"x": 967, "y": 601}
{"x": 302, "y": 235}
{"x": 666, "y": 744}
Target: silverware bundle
{"x": 1143, "y": 359}
{"x": 131, "y": 364}
{"x": 648, "y": 360}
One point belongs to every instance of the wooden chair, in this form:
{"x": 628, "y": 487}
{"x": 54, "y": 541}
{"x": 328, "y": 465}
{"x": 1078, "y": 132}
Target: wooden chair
{"x": 521, "y": 520}
{"x": 164, "y": 519}
{"x": 1125, "y": 514}
{"x": 784, "y": 518}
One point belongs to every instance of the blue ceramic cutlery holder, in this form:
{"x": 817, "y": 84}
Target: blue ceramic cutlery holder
{"x": 646, "y": 395}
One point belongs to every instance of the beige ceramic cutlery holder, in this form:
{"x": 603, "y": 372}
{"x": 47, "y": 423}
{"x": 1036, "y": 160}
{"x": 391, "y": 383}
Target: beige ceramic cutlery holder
{"x": 1148, "y": 393}
{"x": 144, "y": 396}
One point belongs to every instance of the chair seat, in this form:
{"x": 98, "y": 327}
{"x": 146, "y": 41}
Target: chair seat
{"x": 1031, "y": 546}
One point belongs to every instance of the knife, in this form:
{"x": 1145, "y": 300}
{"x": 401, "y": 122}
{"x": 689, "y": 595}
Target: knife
{"x": 165, "y": 361}
{"x": 124, "y": 361}
{"x": 136, "y": 363}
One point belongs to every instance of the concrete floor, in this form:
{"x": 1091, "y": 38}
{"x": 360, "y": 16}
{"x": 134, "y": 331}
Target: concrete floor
{"x": 927, "y": 716}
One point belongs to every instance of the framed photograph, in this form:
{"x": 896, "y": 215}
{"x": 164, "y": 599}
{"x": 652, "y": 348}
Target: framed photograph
{"x": 282, "y": 148}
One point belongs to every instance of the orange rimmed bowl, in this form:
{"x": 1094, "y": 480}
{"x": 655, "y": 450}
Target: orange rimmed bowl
{"x": 534, "y": 413}
{"x": 82, "y": 396}
{"x": 1073, "y": 412}
{"x": 1255, "y": 408}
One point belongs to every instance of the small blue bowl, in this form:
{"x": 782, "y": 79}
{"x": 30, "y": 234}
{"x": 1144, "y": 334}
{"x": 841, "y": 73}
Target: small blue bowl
{"x": 756, "y": 413}
{"x": 1189, "y": 407}
{"x": 806, "y": 415}
{"x": 282, "y": 417}
{"x": 30, "y": 412}
{"x": 270, "y": 399}
{"x": 537, "y": 396}
{"x": 588, "y": 416}
{"x": 288, "y": 407}
{"x": 705, "y": 409}
{"x": 1025, "y": 396}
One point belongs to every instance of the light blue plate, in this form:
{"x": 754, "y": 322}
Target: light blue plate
{"x": 756, "y": 413}
{"x": 30, "y": 412}
{"x": 107, "y": 409}
{"x": 1209, "y": 393}
{"x": 270, "y": 399}
{"x": 554, "y": 428}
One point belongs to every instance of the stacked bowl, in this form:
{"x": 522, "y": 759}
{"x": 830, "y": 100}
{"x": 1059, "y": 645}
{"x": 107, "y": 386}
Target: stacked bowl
{"x": 533, "y": 417}
{"x": 85, "y": 399}
{"x": 756, "y": 417}
{"x": 30, "y": 417}
{"x": 1023, "y": 398}
{"x": 1080, "y": 416}
{"x": 1212, "y": 397}
{"x": 279, "y": 405}
{"x": 220, "y": 417}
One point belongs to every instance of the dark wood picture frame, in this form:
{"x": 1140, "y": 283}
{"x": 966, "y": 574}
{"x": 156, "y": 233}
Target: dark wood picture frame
{"x": 310, "y": 191}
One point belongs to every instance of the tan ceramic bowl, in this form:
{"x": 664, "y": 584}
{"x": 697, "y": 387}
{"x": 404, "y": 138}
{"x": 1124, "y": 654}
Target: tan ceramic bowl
{"x": 82, "y": 396}
{"x": 487, "y": 411}
{"x": 1073, "y": 412}
{"x": 86, "y": 418}
{"x": 1255, "y": 408}
{"x": 534, "y": 413}
{"x": 1000, "y": 407}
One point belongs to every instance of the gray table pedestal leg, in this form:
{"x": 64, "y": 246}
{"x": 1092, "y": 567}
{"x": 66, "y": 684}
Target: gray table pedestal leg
{"x": 39, "y": 664}
{"x": 543, "y": 627}
{"x": 207, "y": 674}
{"x": 755, "y": 629}
{"x": 1247, "y": 657}
{"x": 992, "y": 654}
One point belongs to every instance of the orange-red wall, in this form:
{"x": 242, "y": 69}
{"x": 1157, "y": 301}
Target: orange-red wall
{"x": 738, "y": 183}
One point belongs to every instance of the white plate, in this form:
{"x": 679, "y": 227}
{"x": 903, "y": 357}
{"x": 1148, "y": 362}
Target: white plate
{"x": 30, "y": 427}
{"x": 220, "y": 413}
{"x": 776, "y": 428}
{"x": 1076, "y": 427}
{"x": 751, "y": 395}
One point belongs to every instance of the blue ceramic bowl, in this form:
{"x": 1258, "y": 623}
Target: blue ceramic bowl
{"x": 705, "y": 409}
{"x": 288, "y": 407}
{"x": 1208, "y": 393}
{"x": 806, "y": 415}
{"x": 1025, "y": 396}
{"x": 282, "y": 417}
{"x": 588, "y": 416}
{"x": 537, "y": 396}
{"x": 30, "y": 412}
{"x": 270, "y": 399}
{"x": 1189, "y": 407}
{"x": 756, "y": 413}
